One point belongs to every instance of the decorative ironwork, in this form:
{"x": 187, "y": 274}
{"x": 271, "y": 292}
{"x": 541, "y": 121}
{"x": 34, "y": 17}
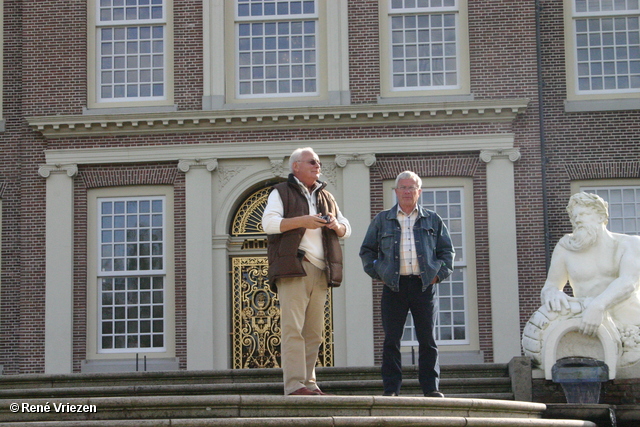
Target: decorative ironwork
{"x": 256, "y": 318}
{"x": 255, "y": 309}
{"x": 248, "y": 219}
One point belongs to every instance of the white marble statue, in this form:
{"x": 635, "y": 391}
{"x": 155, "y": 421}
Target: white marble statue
{"x": 603, "y": 270}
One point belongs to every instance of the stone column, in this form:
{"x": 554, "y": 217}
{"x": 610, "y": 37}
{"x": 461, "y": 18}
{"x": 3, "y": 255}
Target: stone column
{"x": 58, "y": 336}
{"x": 198, "y": 233}
{"x": 353, "y": 313}
{"x": 503, "y": 253}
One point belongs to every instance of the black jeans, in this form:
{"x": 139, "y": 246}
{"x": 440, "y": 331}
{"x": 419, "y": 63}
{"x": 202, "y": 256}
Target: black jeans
{"x": 395, "y": 306}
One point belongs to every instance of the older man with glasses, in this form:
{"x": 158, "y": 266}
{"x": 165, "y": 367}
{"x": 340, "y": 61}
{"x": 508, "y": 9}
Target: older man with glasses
{"x": 303, "y": 225}
{"x": 408, "y": 247}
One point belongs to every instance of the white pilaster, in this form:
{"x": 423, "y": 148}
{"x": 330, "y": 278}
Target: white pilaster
{"x": 221, "y": 309}
{"x": 58, "y": 336}
{"x": 503, "y": 252}
{"x": 199, "y": 274}
{"x": 353, "y": 301}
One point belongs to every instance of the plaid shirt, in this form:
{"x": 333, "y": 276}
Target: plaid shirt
{"x": 408, "y": 257}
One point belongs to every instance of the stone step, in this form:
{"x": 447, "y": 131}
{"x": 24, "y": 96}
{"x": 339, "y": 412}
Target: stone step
{"x": 234, "y": 376}
{"x": 477, "y": 381}
{"x": 380, "y": 421}
{"x": 245, "y": 410}
{"x": 475, "y": 387}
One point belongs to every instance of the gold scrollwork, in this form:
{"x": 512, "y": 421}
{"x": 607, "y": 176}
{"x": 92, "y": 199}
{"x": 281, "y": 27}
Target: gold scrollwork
{"x": 255, "y": 309}
{"x": 256, "y": 318}
{"x": 248, "y": 218}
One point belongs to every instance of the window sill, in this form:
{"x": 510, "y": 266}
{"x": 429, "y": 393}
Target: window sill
{"x": 602, "y": 105}
{"x": 129, "y": 365}
{"x": 128, "y": 110}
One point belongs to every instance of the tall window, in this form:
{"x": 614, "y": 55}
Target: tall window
{"x": 277, "y": 44}
{"x": 624, "y": 207}
{"x": 424, "y": 44}
{"x": 131, "y": 49}
{"x": 132, "y": 275}
{"x": 607, "y": 45}
{"x": 452, "y": 325}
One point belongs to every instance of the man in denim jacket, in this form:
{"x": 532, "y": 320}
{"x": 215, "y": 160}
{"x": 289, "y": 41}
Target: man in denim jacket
{"x": 408, "y": 247}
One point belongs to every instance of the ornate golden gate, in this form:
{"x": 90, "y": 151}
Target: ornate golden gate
{"x": 255, "y": 309}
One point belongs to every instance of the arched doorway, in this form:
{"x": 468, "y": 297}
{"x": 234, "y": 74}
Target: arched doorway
{"x": 255, "y": 309}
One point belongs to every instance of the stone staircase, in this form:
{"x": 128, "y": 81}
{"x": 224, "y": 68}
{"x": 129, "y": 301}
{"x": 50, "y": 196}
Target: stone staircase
{"x": 477, "y": 395}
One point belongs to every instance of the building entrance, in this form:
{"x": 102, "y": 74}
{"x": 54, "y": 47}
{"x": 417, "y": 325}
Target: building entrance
{"x": 254, "y": 307}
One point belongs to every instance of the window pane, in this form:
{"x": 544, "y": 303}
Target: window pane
{"x": 624, "y": 207}
{"x": 607, "y": 48}
{"x": 121, "y": 325}
{"x": 136, "y": 228}
{"x": 123, "y": 53}
{"x": 289, "y": 45}
{"x": 417, "y": 35}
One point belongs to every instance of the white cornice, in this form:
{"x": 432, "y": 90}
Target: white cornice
{"x": 281, "y": 149}
{"x": 279, "y": 118}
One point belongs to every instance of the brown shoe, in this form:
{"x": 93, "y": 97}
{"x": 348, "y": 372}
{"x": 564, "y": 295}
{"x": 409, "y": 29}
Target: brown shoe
{"x": 303, "y": 391}
{"x": 320, "y": 392}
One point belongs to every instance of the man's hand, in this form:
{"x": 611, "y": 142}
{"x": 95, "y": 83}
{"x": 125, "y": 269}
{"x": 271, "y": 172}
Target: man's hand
{"x": 334, "y": 225}
{"x": 305, "y": 221}
{"x": 592, "y": 317}
{"x": 554, "y": 299}
{"x": 315, "y": 221}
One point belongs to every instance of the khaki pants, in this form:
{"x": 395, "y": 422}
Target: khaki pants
{"x": 302, "y": 301}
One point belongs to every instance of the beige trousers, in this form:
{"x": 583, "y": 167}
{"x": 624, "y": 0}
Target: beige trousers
{"x": 302, "y": 301}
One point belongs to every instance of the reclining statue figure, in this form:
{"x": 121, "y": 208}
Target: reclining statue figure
{"x": 603, "y": 270}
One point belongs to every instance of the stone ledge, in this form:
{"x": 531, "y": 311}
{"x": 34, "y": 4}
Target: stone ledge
{"x": 321, "y": 422}
{"x": 279, "y": 118}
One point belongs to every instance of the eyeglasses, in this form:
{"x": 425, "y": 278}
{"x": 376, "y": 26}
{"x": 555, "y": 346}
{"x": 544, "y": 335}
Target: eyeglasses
{"x": 312, "y": 162}
{"x": 407, "y": 188}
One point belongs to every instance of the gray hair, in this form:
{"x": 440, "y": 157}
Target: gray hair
{"x": 297, "y": 153}
{"x": 591, "y": 201}
{"x": 409, "y": 175}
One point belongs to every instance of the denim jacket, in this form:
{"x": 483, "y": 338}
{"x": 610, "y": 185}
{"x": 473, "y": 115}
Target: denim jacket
{"x": 380, "y": 250}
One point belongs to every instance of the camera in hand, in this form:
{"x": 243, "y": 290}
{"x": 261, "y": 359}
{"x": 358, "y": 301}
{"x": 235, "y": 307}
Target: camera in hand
{"x": 326, "y": 218}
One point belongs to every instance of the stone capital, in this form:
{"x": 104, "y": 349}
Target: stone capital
{"x": 210, "y": 164}
{"x": 46, "y": 170}
{"x": 368, "y": 159}
{"x": 512, "y": 154}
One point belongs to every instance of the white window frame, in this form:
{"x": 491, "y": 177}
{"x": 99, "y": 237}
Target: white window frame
{"x": 95, "y": 26}
{"x": 464, "y": 262}
{"x": 308, "y": 60}
{"x": 599, "y": 99}
{"x": 220, "y": 58}
{"x": 95, "y": 275}
{"x": 461, "y": 87}
{"x": 623, "y": 197}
